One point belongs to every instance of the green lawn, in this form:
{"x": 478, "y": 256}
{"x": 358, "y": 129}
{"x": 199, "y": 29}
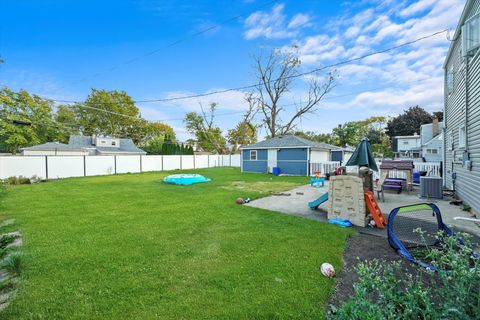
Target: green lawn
{"x": 132, "y": 247}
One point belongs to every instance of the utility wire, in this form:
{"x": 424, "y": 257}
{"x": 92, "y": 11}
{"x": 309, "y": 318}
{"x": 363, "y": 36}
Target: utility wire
{"x": 176, "y": 42}
{"x": 348, "y": 61}
{"x": 81, "y": 104}
{"x": 234, "y": 112}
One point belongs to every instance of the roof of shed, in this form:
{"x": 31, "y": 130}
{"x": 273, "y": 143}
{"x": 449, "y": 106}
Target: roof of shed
{"x": 289, "y": 141}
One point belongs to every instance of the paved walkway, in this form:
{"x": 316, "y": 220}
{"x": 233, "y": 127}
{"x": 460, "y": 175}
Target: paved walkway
{"x": 295, "y": 202}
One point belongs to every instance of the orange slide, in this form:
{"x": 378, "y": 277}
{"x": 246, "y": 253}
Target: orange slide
{"x": 374, "y": 210}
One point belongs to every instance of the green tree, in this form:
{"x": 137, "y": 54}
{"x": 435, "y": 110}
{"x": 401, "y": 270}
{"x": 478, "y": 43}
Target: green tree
{"x": 118, "y": 116}
{"x": 346, "y": 134}
{"x": 25, "y": 120}
{"x": 154, "y": 145}
{"x": 66, "y": 123}
{"x": 202, "y": 126}
{"x": 244, "y": 133}
{"x": 408, "y": 123}
{"x": 438, "y": 115}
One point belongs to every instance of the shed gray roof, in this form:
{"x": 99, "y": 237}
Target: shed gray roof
{"x": 126, "y": 145}
{"x": 289, "y": 141}
{"x": 52, "y": 146}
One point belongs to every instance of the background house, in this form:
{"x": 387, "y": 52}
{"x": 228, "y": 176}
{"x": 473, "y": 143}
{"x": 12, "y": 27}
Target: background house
{"x": 53, "y": 149}
{"x": 462, "y": 108}
{"x": 85, "y": 146}
{"x": 105, "y": 145}
{"x": 291, "y": 154}
{"x": 431, "y": 137}
{"x": 407, "y": 146}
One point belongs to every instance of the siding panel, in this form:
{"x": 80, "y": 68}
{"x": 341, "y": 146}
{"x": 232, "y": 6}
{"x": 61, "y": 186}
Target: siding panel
{"x": 458, "y": 112}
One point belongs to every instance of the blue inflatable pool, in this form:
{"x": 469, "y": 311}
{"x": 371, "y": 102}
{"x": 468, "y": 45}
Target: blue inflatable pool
{"x": 185, "y": 179}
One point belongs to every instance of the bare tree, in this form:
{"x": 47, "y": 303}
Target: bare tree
{"x": 245, "y": 132}
{"x": 276, "y": 74}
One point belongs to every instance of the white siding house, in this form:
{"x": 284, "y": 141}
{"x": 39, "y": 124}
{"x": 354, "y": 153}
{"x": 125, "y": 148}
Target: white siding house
{"x": 408, "y": 146}
{"x": 462, "y": 108}
{"x": 431, "y": 136}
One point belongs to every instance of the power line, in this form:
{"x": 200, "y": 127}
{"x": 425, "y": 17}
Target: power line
{"x": 176, "y": 42}
{"x": 200, "y": 95}
{"x": 239, "y": 112}
{"x": 81, "y": 104}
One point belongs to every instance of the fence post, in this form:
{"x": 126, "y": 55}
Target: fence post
{"x": 208, "y": 161}
{"x": 115, "y": 164}
{"x": 141, "y": 164}
{"x": 181, "y": 162}
{"x": 84, "y": 167}
{"x": 46, "y": 167}
{"x": 230, "y": 160}
{"x": 194, "y": 165}
{"x": 162, "y": 164}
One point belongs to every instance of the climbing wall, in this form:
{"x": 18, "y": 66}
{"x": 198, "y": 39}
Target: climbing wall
{"x": 347, "y": 200}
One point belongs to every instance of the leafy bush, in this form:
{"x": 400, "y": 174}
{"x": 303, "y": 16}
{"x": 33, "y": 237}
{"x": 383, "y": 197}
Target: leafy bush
{"x": 385, "y": 291}
{"x": 17, "y": 180}
{"x": 13, "y": 263}
{"x": 6, "y": 239}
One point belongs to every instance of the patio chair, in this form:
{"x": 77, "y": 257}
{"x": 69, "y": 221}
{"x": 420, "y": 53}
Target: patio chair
{"x": 378, "y": 187}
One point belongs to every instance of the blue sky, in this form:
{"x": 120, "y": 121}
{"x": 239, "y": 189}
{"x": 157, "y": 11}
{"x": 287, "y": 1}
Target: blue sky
{"x": 61, "y": 49}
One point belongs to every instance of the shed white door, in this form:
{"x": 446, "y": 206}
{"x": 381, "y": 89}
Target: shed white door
{"x": 272, "y": 159}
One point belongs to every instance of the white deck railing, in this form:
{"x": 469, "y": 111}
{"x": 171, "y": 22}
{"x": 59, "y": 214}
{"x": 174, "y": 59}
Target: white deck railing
{"x": 324, "y": 167}
{"x": 433, "y": 169}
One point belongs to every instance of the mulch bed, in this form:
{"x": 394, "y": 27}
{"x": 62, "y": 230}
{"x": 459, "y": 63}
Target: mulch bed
{"x": 361, "y": 247}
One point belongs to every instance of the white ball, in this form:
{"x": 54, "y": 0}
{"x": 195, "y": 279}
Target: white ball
{"x": 327, "y": 269}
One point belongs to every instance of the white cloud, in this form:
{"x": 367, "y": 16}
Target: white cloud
{"x": 414, "y": 72}
{"x": 417, "y": 7}
{"x": 274, "y": 24}
{"x": 299, "y": 20}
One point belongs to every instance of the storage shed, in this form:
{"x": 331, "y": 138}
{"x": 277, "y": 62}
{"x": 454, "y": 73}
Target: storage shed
{"x": 291, "y": 154}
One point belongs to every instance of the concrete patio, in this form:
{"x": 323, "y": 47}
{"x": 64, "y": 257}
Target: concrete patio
{"x": 295, "y": 202}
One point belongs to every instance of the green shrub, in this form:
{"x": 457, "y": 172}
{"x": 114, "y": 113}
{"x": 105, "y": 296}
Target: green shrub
{"x": 17, "y": 180}
{"x": 6, "y": 239}
{"x": 385, "y": 291}
{"x": 13, "y": 263}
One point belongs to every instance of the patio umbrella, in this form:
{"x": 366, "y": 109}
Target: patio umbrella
{"x": 363, "y": 156}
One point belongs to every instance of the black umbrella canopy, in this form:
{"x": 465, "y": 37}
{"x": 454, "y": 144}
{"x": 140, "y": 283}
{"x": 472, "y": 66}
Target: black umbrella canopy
{"x": 363, "y": 156}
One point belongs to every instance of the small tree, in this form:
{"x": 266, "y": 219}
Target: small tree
{"x": 202, "y": 126}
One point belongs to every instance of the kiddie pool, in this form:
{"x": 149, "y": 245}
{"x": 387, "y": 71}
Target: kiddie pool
{"x": 185, "y": 179}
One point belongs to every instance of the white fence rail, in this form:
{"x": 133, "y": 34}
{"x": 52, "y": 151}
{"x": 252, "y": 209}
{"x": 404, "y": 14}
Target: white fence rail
{"x": 324, "y": 167}
{"x": 433, "y": 169}
{"x": 56, "y": 167}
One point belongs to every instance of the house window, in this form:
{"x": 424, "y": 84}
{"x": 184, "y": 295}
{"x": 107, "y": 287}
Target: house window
{"x": 471, "y": 35}
{"x": 432, "y": 151}
{"x": 253, "y": 154}
{"x": 405, "y": 142}
{"x": 450, "y": 140}
{"x": 450, "y": 81}
{"x": 114, "y": 143}
{"x": 461, "y": 136}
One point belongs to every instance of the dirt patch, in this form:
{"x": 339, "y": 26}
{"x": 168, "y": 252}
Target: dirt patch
{"x": 361, "y": 247}
{"x": 260, "y": 186}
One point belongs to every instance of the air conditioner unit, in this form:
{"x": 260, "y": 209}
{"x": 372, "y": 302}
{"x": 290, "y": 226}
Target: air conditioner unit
{"x": 431, "y": 187}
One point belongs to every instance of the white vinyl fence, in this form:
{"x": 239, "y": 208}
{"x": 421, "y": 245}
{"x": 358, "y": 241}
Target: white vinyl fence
{"x": 56, "y": 167}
